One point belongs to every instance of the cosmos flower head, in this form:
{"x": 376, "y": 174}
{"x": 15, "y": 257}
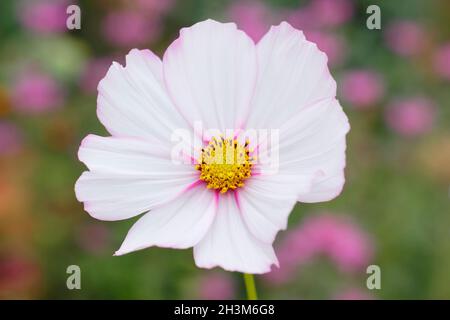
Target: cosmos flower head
{"x": 215, "y": 193}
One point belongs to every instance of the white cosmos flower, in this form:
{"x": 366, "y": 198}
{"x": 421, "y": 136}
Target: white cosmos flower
{"x": 214, "y": 73}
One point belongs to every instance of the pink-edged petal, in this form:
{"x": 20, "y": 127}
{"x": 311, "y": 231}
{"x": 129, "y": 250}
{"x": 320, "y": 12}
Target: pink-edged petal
{"x": 132, "y": 100}
{"x": 312, "y": 143}
{"x": 128, "y": 177}
{"x": 295, "y": 94}
{"x": 293, "y": 74}
{"x": 111, "y": 197}
{"x": 230, "y": 245}
{"x": 325, "y": 188}
{"x": 210, "y": 72}
{"x": 180, "y": 224}
{"x": 265, "y": 203}
{"x": 330, "y": 179}
{"x": 130, "y": 156}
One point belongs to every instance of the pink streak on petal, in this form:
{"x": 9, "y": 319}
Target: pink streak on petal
{"x": 236, "y": 198}
{"x": 192, "y": 186}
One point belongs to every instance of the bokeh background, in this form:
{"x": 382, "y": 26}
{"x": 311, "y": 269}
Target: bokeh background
{"x": 395, "y": 208}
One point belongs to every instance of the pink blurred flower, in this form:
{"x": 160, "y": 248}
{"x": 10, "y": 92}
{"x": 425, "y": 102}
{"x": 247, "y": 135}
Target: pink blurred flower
{"x": 130, "y": 28}
{"x": 255, "y": 19}
{"x": 411, "y": 116}
{"x": 155, "y": 7}
{"x": 332, "y": 45}
{"x": 216, "y": 286}
{"x": 19, "y": 276}
{"x": 35, "y": 93}
{"x": 321, "y": 14}
{"x": 43, "y": 16}
{"x": 406, "y": 38}
{"x": 94, "y": 71}
{"x": 11, "y": 139}
{"x": 362, "y": 88}
{"x": 335, "y": 237}
{"x": 353, "y": 294}
{"x": 93, "y": 238}
{"x": 303, "y": 18}
{"x": 331, "y": 13}
{"x": 252, "y": 17}
{"x": 442, "y": 61}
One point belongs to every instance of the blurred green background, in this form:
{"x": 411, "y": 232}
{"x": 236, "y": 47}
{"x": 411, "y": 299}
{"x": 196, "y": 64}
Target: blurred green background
{"x": 394, "y": 211}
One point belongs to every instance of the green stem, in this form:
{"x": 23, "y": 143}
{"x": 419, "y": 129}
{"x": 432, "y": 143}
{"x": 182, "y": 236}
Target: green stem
{"x": 250, "y": 286}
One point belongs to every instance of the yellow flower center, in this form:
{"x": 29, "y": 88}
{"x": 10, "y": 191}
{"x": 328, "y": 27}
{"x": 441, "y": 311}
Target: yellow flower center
{"x": 225, "y": 164}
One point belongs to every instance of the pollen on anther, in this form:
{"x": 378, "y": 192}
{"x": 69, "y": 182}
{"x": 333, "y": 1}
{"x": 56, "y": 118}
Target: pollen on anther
{"x": 224, "y": 164}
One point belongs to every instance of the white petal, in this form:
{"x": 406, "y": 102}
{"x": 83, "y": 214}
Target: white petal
{"x": 293, "y": 74}
{"x": 325, "y": 188}
{"x": 210, "y": 72}
{"x": 132, "y": 100}
{"x": 230, "y": 245}
{"x": 128, "y": 177}
{"x": 130, "y": 156}
{"x": 312, "y": 144}
{"x": 311, "y": 133}
{"x": 295, "y": 94}
{"x": 266, "y": 202}
{"x": 180, "y": 224}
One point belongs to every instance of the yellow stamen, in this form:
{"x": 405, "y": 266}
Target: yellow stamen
{"x": 225, "y": 164}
